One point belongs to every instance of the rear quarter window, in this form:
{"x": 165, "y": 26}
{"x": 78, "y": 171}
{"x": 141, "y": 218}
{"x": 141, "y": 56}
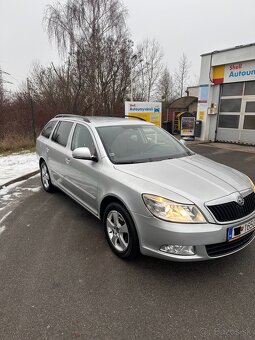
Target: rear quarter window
{"x": 61, "y": 133}
{"x": 46, "y": 132}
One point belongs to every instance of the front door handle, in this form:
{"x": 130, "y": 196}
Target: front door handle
{"x": 67, "y": 160}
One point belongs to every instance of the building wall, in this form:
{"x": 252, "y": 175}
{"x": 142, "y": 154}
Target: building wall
{"x": 213, "y": 66}
{"x": 233, "y": 56}
{"x": 193, "y": 91}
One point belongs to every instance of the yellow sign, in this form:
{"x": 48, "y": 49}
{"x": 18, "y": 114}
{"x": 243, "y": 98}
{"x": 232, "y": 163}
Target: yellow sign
{"x": 149, "y": 111}
{"x": 201, "y": 115}
{"x": 218, "y": 74}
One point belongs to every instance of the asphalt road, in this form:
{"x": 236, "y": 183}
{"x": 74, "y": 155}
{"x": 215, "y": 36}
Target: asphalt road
{"x": 59, "y": 279}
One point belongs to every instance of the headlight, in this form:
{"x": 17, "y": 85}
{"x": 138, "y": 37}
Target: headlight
{"x": 171, "y": 211}
{"x": 252, "y": 185}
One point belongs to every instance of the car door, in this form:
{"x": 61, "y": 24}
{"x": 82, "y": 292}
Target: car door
{"x": 57, "y": 152}
{"x": 82, "y": 175}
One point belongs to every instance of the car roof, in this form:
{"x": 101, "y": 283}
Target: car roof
{"x": 103, "y": 120}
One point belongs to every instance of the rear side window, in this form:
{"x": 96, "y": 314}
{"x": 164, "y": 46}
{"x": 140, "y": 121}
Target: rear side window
{"x": 48, "y": 129}
{"x": 62, "y": 132}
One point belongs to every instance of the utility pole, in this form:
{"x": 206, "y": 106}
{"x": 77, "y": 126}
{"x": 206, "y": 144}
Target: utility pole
{"x": 134, "y": 61}
{"x": 1, "y": 88}
{"x": 32, "y": 108}
{"x": 2, "y": 82}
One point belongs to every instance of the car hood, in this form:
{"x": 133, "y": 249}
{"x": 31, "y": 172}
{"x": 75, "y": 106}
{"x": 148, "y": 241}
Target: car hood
{"x": 194, "y": 177}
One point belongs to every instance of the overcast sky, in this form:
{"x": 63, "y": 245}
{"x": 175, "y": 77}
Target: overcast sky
{"x": 192, "y": 27}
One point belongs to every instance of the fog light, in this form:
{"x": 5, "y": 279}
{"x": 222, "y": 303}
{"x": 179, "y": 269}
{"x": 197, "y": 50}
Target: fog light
{"x": 178, "y": 250}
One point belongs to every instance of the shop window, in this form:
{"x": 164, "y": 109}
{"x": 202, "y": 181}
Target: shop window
{"x": 250, "y": 107}
{"x": 249, "y": 88}
{"x": 230, "y": 105}
{"x": 229, "y": 121}
{"x": 234, "y": 89}
{"x": 249, "y": 122}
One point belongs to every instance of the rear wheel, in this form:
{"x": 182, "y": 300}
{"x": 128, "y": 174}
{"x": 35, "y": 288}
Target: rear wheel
{"x": 120, "y": 231}
{"x": 45, "y": 178}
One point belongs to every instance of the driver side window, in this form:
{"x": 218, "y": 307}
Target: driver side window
{"x": 82, "y": 138}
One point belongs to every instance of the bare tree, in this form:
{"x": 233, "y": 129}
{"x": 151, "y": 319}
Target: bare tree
{"x": 148, "y": 70}
{"x": 94, "y": 33}
{"x": 181, "y": 75}
{"x": 1, "y": 89}
{"x": 165, "y": 86}
{"x": 165, "y": 90}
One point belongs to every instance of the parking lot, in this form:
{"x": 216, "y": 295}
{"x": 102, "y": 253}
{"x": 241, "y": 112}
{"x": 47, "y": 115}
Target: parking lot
{"x": 60, "y": 280}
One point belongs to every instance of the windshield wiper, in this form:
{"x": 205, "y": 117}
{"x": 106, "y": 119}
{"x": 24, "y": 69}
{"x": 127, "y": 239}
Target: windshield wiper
{"x": 134, "y": 162}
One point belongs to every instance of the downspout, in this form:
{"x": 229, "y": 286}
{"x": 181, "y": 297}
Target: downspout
{"x": 209, "y": 90}
{"x": 211, "y": 81}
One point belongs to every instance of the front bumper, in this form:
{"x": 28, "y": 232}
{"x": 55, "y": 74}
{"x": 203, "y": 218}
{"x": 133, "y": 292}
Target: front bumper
{"x": 153, "y": 233}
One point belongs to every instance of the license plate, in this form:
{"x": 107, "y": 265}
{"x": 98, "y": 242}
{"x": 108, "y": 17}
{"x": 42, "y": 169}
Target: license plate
{"x": 236, "y": 232}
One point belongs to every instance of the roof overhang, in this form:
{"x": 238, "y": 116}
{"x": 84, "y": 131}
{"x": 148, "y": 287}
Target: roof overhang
{"x": 183, "y": 103}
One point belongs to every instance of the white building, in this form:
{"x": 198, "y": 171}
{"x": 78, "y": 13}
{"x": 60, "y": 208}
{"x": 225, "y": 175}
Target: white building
{"x": 226, "y": 101}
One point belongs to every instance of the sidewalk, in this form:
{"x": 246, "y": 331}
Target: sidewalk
{"x": 228, "y": 146}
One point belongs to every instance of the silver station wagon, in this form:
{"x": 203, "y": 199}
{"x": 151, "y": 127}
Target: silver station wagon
{"x": 152, "y": 193}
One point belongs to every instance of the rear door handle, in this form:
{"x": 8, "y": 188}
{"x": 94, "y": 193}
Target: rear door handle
{"x": 47, "y": 149}
{"x": 67, "y": 160}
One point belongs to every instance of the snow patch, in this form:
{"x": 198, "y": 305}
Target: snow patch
{"x": 8, "y": 194}
{"x": 5, "y": 216}
{"x": 16, "y": 165}
{"x": 5, "y": 190}
{"x": 7, "y": 198}
{"x": 37, "y": 189}
{"x": 2, "y": 229}
{"x": 16, "y": 194}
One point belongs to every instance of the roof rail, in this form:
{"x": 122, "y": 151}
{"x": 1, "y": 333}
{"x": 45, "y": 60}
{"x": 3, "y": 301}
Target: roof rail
{"x": 66, "y": 115}
{"x": 127, "y": 116}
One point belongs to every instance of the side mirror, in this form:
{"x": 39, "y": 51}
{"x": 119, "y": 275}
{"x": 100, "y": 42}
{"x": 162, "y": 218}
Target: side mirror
{"x": 84, "y": 153}
{"x": 182, "y": 141}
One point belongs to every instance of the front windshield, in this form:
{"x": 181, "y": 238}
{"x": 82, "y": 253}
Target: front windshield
{"x": 127, "y": 144}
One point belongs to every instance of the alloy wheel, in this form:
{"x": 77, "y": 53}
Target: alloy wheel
{"x": 45, "y": 176}
{"x": 117, "y": 230}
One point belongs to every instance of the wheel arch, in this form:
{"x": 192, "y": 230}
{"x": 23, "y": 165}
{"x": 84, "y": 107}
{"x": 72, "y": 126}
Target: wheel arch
{"x": 41, "y": 159}
{"x": 106, "y": 201}
{"x": 114, "y": 199}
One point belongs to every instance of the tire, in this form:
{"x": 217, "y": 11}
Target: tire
{"x": 120, "y": 231}
{"x": 45, "y": 177}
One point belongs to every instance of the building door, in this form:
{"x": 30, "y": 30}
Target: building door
{"x": 236, "y": 120}
{"x": 247, "y": 121}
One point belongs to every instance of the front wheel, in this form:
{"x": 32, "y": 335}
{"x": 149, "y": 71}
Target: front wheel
{"x": 120, "y": 231}
{"x": 45, "y": 177}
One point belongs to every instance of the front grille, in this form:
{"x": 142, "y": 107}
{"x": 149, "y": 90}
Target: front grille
{"x": 224, "y": 248}
{"x": 232, "y": 210}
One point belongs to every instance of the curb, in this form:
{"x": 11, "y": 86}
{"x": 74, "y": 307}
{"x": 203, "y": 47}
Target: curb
{"x": 196, "y": 142}
{"x": 230, "y": 147}
{"x": 21, "y": 178}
